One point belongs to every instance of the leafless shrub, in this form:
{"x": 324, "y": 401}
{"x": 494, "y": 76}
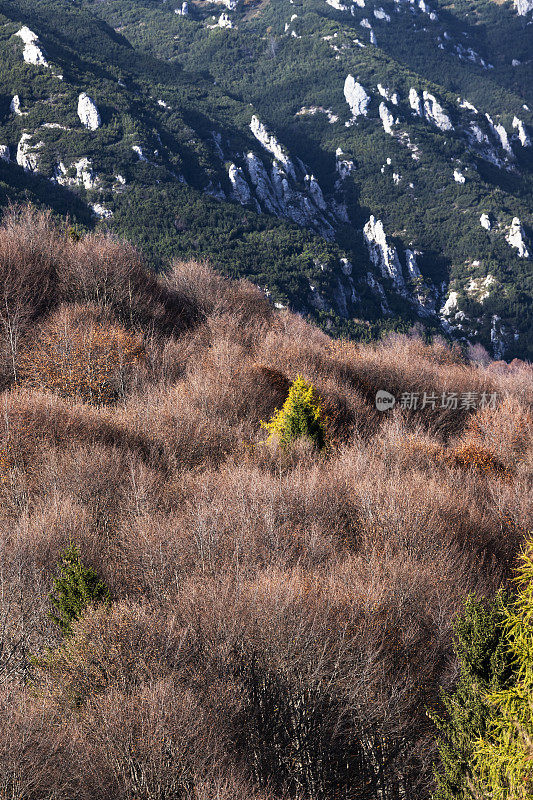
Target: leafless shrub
{"x": 281, "y": 618}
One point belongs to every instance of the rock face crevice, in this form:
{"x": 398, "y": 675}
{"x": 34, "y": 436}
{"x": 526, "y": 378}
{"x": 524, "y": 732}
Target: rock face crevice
{"x": 381, "y": 254}
{"x": 429, "y": 107}
{"x": 285, "y": 187}
{"x": 270, "y": 143}
{"x": 406, "y": 280}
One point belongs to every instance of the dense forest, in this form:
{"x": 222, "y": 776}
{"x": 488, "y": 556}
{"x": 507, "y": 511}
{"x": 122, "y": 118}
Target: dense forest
{"x": 225, "y": 571}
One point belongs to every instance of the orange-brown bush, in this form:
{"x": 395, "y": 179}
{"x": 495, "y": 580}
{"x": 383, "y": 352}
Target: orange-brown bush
{"x": 471, "y": 455}
{"x": 76, "y": 354}
{"x": 282, "y": 619}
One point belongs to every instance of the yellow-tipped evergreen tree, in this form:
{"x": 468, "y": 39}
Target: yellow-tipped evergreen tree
{"x": 300, "y": 417}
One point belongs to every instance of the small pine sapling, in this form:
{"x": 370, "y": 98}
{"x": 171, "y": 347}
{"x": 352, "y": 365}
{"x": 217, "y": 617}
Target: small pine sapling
{"x": 75, "y": 588}
{"x": 300, "y": 417}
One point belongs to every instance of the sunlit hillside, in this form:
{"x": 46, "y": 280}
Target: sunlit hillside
{"x": 274, "y": 617}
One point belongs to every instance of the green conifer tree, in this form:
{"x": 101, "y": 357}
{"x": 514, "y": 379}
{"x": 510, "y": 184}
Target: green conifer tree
{"x": 76, "y": 588}
{"x": 300, "y": 416}
{"x": 485, "y": 665}
{"x": 503, "y": 757}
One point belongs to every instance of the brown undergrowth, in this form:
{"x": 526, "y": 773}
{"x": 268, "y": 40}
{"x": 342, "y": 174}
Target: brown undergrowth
{"x": 281, "y": 617}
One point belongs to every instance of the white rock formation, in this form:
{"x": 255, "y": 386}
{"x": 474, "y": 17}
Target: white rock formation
{"x": 466, "y": 105}
{"x": 373, "y": 39}
{"x": 381, "y": 254}
{"x": 84, "y": 174}
{"x": 262, "y": 184}
{"x": 450, "y": 305}
{"x": 480, "y": 287}
{"x": 337, "y": 5}
{"x": 504, "y": 139}
{"x": 429, "y": 108}
{"x": 523, "y": 138}
{"x": 100, "y": 211}
{"x": 412, "y": 267}
{"x": 365, "y": 24}
{"x": 241, "y": 190}
{"x": 477, "y": 134}
{"x": 231, "y": 5}
{"x": 28, "y": 155}
{"x": 343, "y": 166}
{"x": 315, "y": 191}
{"x": 381, "y": 14}
{"x": 386, "y": 118}
{"x": 88, "y": 112}
{"x": 183, "y": 10}
{"x": 312, "y": 110}
{"x": 27, "y": 36}
{"x": 435, "y": 113}
{"x": 500, "y": 132}
{"x": 523, "y": 7}
{"x": 4, "y": 153}
{"x": 14, "y": 106}
{"x": 485, "y": 222}
{"x": 393, "y": 97}
{"x": 32, "y": 53}
{"x": 224, "y": 21}
{"x": 137, "y": 149}
{"x": 415, "y": 102}
{"x": 270, "y": 143}
{"x": 458, "y": 176}
{"x": 356, "y": 97}
{"x": 280, "y": 183}
{"x": 516, "y": 238}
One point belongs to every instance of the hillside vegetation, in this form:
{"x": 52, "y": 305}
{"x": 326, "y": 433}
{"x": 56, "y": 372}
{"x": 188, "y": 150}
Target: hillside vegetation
{"x": 438, "y": 149}
{"x": 247, "y": 617}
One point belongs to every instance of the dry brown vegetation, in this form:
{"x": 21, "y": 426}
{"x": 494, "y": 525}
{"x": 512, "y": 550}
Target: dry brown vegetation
{"x": 280, "y": 619}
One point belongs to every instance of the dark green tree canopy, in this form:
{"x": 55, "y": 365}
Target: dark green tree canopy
{"x": 75, "y": 588}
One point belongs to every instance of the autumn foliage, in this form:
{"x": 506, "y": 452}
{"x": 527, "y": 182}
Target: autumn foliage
{"x": 471, "y": 456}
{"x": 279, "y": 619}
{"x": 77, "y": 355}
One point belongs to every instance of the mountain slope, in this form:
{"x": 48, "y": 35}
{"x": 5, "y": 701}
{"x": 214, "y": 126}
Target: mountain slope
{"x": 278, "y": 618}
{"x": 270, "y": 145}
